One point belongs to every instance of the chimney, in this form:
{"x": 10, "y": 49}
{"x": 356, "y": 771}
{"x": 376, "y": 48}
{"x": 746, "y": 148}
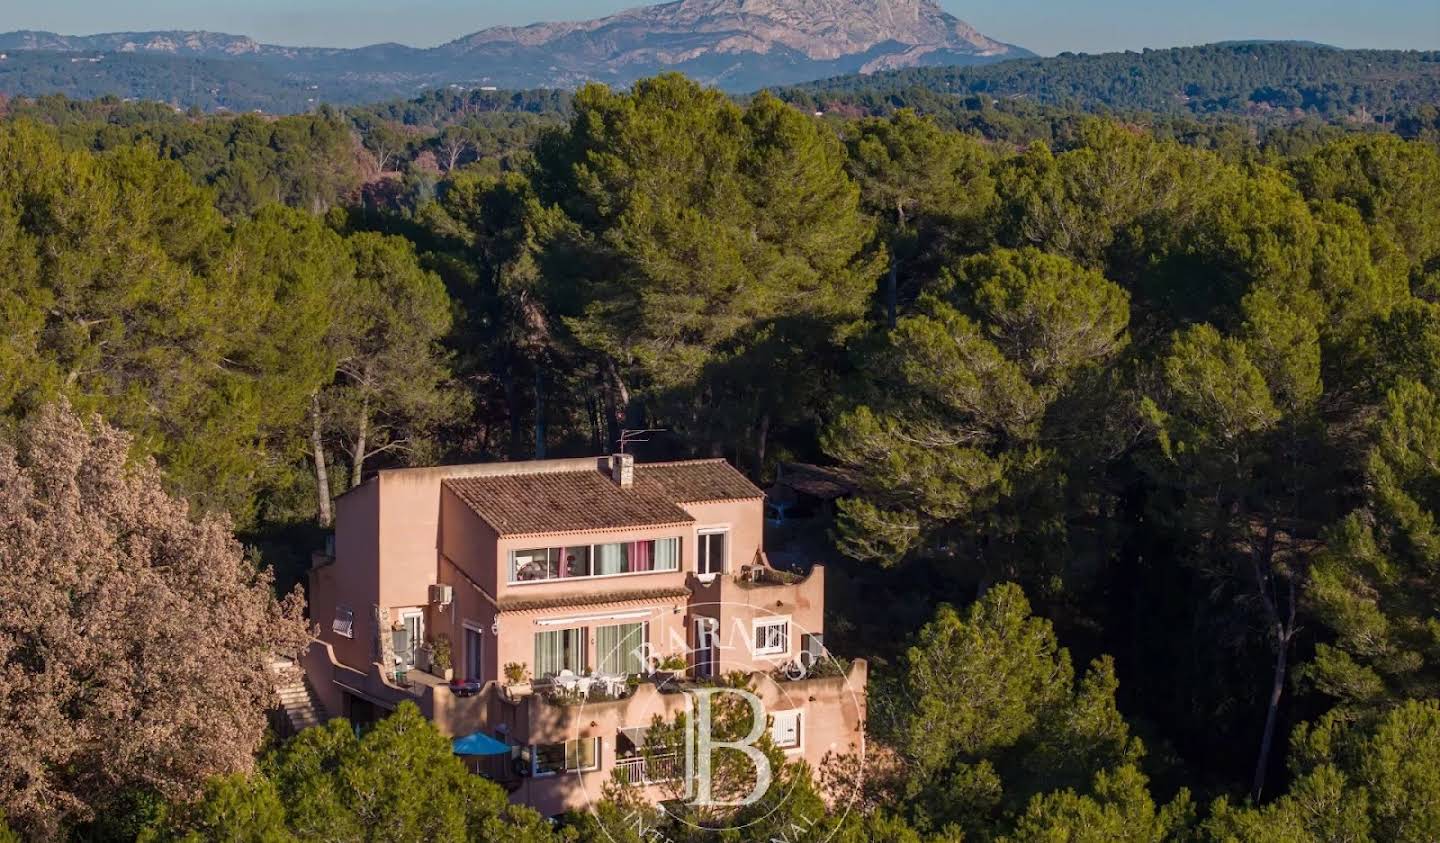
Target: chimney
{"x": 622, "y": 470}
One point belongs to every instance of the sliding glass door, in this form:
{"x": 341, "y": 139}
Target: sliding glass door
{"x": 562, "y": 649}
{"x": 621, "y": 648}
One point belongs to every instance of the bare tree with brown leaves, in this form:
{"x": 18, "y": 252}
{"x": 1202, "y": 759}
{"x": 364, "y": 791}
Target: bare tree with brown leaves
{"x": 134, "y": 640}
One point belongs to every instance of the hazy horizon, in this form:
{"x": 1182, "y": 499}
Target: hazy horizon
{"x": 1044, "y": 26}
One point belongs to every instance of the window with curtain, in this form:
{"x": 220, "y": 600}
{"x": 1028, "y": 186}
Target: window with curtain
{"x": 667, "y": 554}
{"x": 610, "y": 559}
{"x": 641, "y": 557}
{"x": 595, "y": 560}
{"x": 621, "y": 648}
{"x": 560, "y": 649}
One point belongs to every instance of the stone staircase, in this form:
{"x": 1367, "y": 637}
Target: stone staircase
{"x": 299, "y": 707}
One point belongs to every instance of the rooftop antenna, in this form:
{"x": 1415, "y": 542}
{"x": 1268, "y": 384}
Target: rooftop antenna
{"x": 630, "y": 437}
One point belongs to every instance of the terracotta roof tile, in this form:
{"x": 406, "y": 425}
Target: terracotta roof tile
{"x": 522, "y": 504}
{"x": 527, "y": 604}
{"x": 561, "y": 502}
{"x": 697, "y": 481}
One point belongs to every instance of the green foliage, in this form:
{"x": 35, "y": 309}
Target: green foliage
{"x": 929, "y": 186}
{"x": 989, "y": 714}
{"x": 712, "y": 218}
{"x": 947, "y": 441}
{"x": 698, "y": 240}
{"x": 1120, "y": 809}
{"x": 1274, "y": 79}
{"x": 1385, "y": 180}
{"x": 1373, "y": 780}
{"x": 1375, "y": 584}
{"x": 234, "y": 808}
{"x": 1175, "y": 375}
{"x": 400, "y": 782}
{"x": 393, "y": 384}
{"x": 126, "y": 293}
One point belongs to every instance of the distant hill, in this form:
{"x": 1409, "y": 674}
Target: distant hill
{"x": 1279, "y": 79}
{"x": 739, "y": 45}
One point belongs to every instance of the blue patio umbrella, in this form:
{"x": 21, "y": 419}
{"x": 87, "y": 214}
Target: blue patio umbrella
{"x": 479, "y": 744}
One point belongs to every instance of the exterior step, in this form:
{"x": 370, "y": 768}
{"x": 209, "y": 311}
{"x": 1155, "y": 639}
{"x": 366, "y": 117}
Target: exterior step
{"x": 299, "y": 708}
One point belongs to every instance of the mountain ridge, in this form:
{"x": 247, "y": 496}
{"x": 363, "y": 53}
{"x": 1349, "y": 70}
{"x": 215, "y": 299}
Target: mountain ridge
{"x": 734, "y": 44}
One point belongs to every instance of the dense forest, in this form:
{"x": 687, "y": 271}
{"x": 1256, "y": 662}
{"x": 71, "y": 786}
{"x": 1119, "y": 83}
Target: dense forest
{"x": 1140, "y": 417}
{"x": 1270, "y": 80}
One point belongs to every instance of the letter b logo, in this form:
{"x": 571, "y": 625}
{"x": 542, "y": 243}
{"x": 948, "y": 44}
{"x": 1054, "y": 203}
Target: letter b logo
{"x": 700, "y": 746}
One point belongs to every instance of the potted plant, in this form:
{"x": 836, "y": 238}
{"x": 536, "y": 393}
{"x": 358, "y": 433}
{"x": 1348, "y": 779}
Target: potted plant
{"x": 440, "y": 664}
{"x": 669, "y": 667}
{"x": 517, "y": 678}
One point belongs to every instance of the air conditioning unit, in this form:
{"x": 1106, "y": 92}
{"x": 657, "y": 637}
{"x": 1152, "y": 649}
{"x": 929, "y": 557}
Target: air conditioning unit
{"x": 442, "y": 595}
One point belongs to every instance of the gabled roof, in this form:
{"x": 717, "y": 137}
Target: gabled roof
{"x": 521, "y": 503}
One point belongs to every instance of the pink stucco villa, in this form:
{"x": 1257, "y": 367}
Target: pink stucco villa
{"x": 579, "y": 599}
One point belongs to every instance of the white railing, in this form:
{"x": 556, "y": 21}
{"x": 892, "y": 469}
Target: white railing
{"x": 642, "y": 771}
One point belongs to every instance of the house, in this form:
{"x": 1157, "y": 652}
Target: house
{"x": 580, "y": 599}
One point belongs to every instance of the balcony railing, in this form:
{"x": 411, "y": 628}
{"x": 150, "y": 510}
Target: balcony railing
{"x": 642, "y": 770}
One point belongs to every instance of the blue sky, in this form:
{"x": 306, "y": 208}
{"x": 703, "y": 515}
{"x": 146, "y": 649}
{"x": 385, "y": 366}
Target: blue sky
{"x": 1045, "y": 26}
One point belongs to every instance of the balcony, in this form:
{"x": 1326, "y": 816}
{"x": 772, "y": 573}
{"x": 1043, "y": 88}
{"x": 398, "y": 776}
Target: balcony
{"x": 760, "y": 576}
{"x": 646, "y": 770}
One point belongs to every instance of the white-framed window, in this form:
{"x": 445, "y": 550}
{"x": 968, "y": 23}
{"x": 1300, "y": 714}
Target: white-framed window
{"x": 713, "y": 555}
{"x": 620, "y": 648}
{"x": 646, "y": 556}
{"x": 772, "y": 636}
{"x": 785, "y": 729}
{"x": 573, "y": 756}
{"x": 344, "y": 623}
{"x": 559, "y": 649}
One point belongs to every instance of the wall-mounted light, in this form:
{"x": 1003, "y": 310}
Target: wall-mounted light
{"x": 495, "y": 626}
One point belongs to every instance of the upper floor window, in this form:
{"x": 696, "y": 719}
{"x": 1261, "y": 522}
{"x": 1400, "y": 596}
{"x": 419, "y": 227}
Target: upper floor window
{"x": 772, "y": 636}
{"x": 595, "y": 560}
{"x": 714, "y": 549}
